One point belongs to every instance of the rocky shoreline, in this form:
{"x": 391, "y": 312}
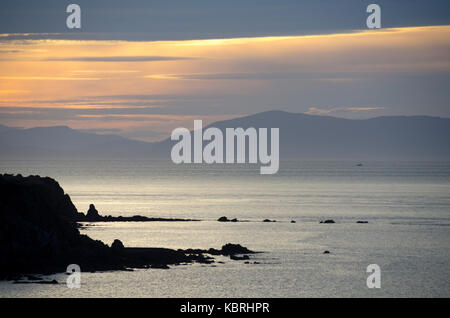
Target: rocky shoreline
{"x": 39, "y": 235}
{"x": 93, "y": 215}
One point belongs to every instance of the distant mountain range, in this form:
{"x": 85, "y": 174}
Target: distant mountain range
{"x": 64, "y": 142}
{"x": 301, "y": 136}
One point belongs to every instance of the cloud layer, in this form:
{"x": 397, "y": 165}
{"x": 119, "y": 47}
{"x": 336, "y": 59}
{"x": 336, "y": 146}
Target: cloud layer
{"x": 145, "y": 89}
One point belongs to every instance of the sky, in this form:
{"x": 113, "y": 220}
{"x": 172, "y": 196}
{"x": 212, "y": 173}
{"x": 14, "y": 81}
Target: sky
{"x": 142, "y": 68}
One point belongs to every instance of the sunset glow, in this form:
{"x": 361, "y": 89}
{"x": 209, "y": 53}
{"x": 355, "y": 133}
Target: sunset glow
{"x": 132, "y": 85}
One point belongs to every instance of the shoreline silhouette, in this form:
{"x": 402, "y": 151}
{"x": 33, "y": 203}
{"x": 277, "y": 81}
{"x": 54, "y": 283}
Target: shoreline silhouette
{"x": 39, "y": 235}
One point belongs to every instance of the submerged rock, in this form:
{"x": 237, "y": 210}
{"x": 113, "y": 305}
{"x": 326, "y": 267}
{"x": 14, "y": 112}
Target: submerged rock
{"x": 232, "y": 249}
{"x": 239, "y": 258}
{"x": 160, "y": 266}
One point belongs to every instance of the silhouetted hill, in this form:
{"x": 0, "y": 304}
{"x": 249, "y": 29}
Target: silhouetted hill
{"x": 4, "y": 128}
{"x": 301, "y": 136}
{"x": 323, "y": 137}
{"x": 64, "y": 142}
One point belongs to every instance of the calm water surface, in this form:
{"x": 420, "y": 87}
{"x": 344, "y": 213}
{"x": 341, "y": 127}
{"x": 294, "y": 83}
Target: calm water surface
{"x": 407, "y": 205}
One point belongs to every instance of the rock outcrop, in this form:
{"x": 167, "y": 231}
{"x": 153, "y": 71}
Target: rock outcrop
{"x": 38, "y": 230}
{"x": 92, "y": 215}
{"x": 117, "y": 245}
{"x": 226, "y": 250}
{"x": 39, "y": 235}
{"x": 225, "y": 219}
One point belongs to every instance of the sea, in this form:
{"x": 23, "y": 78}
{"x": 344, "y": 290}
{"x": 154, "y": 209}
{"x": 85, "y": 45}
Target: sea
{"x": 406, "y": 205}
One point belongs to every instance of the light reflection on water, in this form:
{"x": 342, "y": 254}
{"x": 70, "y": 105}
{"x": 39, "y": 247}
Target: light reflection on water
{"x": 407, "y": 206}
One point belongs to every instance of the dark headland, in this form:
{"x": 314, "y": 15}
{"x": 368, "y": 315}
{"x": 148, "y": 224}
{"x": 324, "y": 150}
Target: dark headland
{"x": 39, "y": 235}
